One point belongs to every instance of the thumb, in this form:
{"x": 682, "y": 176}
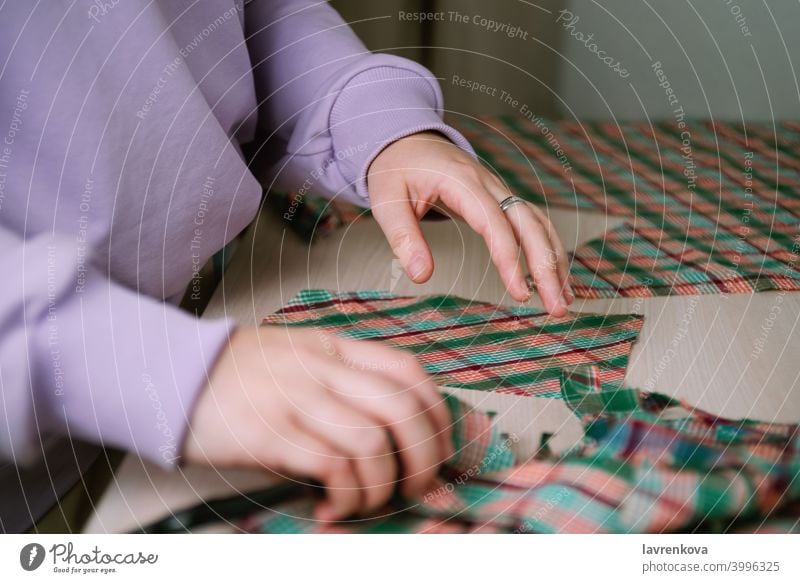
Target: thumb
{"x": 395, "y": 215}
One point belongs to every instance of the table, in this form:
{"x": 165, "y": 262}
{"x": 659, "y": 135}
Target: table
{"x": 732, "y": 355}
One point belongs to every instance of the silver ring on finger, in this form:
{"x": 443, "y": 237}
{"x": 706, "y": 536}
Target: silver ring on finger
{"x": 510, "y": 201}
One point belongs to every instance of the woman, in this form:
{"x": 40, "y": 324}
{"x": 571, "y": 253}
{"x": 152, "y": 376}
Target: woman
{"x": 123, "y": 171}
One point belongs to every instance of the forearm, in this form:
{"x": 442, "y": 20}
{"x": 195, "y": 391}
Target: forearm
{"x": 83, "y": 356}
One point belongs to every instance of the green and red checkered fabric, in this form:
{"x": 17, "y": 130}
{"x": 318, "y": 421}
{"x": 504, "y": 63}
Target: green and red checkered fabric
{"x": 648, "y": 169}
{"x": 649, "y": 463}
{"x": 644, "y": 261}
{"x": 712, "y": 207}
{"x": 474, "y": 345}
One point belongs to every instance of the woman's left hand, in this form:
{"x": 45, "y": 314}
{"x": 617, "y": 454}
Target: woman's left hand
{"x": 426, "y": 170}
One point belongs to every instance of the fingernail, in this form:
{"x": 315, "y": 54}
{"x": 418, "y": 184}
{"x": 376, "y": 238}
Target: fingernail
{"x": 569, "y": 293}
{"x": 525, "y": 290}
{"x": 416, "y": 267}
{"x": 324, "y": 512}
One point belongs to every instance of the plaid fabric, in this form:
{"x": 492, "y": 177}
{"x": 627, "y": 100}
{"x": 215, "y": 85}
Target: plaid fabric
{"x": 645, "y": 261}
{"x": 715, "y": 206}
{"x": 474, "y": 345}
{"x": 647, "y": 169}
{"x": 650, "y": 463}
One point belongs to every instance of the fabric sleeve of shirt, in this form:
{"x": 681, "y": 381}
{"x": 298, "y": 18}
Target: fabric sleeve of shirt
{"x": 85, "y": 357}
{"x": 330, "y": 103}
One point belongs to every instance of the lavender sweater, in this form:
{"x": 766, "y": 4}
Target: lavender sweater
{"x": 121, "y": 172}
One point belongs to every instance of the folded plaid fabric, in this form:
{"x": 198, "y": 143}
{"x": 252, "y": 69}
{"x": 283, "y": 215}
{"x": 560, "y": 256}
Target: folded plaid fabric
{"x": 474, "y": 345}
{"x": 649, "y": 464}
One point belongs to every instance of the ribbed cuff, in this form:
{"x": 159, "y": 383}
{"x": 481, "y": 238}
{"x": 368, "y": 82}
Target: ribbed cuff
{"x": 131, "y": 368}
{"x": 377, "y": 107}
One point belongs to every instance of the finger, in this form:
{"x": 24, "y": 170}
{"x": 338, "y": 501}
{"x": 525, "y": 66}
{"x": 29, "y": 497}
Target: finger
{"x": 473, "y": 202}
{"x": 305, "y": 455}
{"x": 403, "y": 416}
{"x": 561, "y": 252}
{"x": 362, "y": 438}
{"x": 400, "y": 224}
{"x": 542, "y": 259}
{"x": 405, "y": 370}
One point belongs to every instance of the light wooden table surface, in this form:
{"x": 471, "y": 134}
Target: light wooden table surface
{"x": 736, "y": 355}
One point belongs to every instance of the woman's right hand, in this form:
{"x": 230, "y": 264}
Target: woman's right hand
{"x": 359, "y": 417}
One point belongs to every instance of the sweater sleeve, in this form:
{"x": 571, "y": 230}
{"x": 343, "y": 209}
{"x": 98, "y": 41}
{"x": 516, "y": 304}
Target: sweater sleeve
{"x": 85, "y": 357}
{"x": 330, "y": 103}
